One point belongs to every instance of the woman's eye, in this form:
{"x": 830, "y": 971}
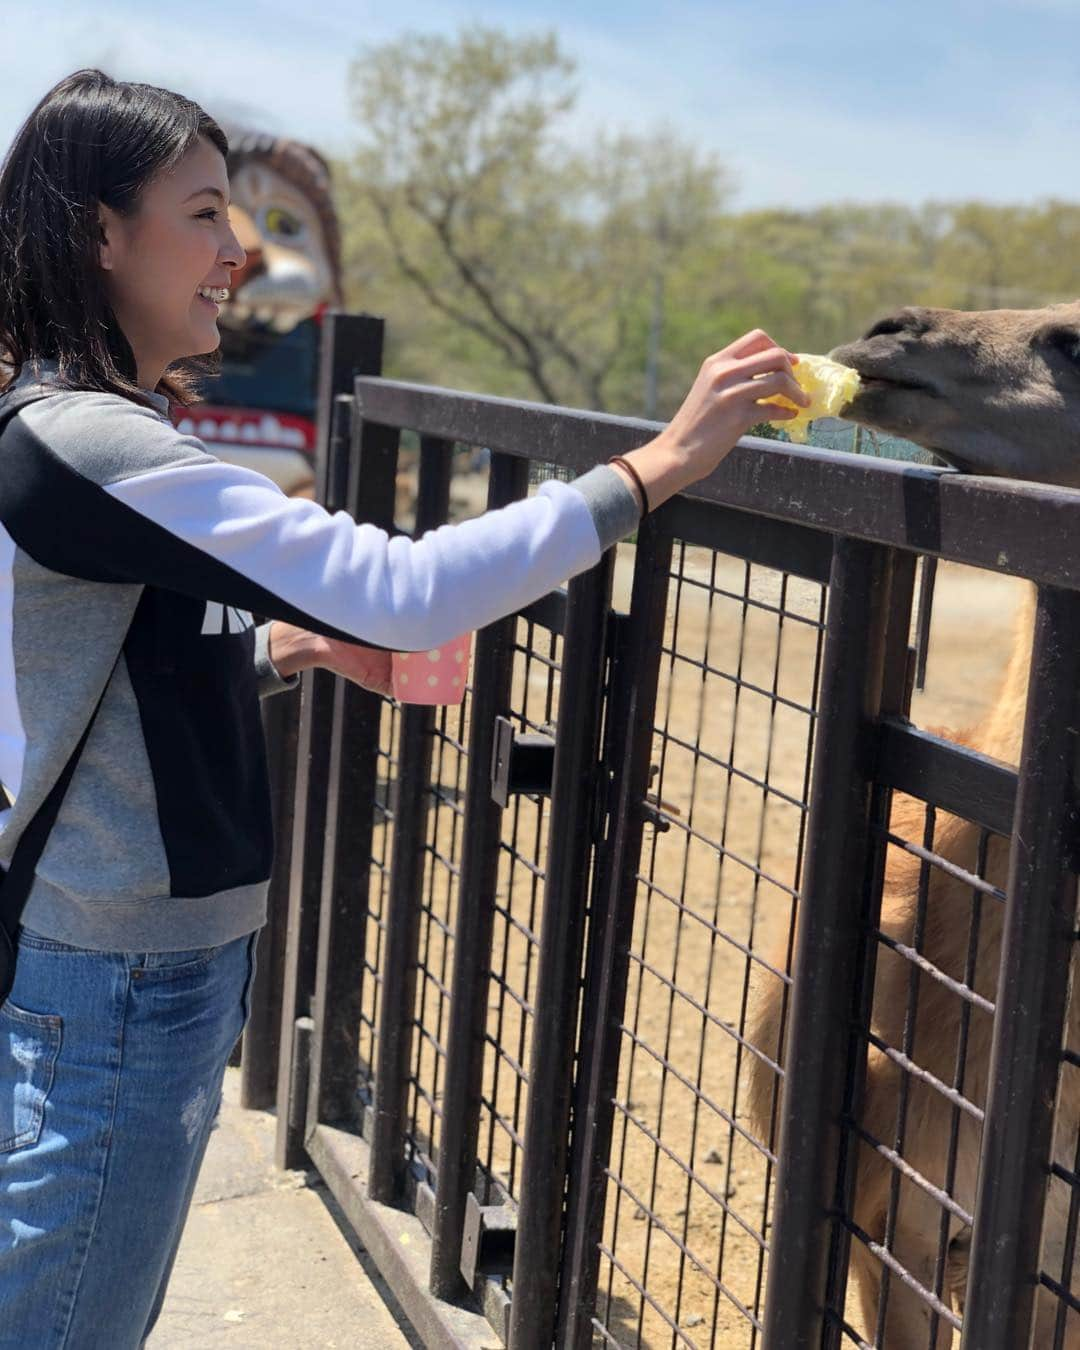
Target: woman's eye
{"x": 211, "y": 214}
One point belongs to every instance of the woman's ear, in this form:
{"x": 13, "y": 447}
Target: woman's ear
{"x": 106, "y": 229}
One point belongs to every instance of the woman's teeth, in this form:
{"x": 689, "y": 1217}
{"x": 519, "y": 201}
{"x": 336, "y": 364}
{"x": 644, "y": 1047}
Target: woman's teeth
{"x": 218, "y": 294}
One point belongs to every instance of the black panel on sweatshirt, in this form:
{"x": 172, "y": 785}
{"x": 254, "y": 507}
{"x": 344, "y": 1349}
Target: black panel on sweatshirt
{"x": 199, "y": 707}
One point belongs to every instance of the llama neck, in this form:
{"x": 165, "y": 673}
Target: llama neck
{"x": 1000, "y": 733}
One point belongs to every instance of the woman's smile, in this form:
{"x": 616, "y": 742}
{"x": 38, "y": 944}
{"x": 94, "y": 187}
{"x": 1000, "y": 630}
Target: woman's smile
{"x": 213, "y": 297}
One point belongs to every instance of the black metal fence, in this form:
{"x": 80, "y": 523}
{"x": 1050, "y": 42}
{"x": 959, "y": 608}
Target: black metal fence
{"x": 549, "y": 1028}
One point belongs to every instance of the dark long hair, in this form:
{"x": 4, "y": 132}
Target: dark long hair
{"x": 91, "y": 139}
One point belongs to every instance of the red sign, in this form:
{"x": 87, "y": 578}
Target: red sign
{"x": 246, "y": 428}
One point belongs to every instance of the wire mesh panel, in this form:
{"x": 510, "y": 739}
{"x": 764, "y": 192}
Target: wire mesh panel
{"x": 1059, "y": 1273}
{"x": 917, "y": 1135}
{"x": 374, "y": 919}
{"x": 442, "y": 865}
{"x": 427, "y": 793}
{"x": 535, "y": 657}
{"x": 684, "y": 1244}
{"x": 519, "y": 895}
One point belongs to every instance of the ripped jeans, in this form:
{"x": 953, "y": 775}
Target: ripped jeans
{"x": 111, "y": 1069}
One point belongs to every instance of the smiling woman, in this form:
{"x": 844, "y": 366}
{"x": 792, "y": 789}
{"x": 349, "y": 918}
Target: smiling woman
{"x": 138, "y": 841}
{"x": 101, "y": 256}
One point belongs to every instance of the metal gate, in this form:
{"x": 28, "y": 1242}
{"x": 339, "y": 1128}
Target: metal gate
{"x": 525, "y": 937}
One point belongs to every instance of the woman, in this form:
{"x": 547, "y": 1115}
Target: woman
{"x": 131, "y": 562}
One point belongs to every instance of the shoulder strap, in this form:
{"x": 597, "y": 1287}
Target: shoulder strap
{"x": 15, "y": 883}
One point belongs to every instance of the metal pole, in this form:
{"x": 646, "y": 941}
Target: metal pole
{"x": 1037, "y": 946}
{"x": 634, "y": 678}
{"x": 558, "y": 977}
{"x": 351, "y": 345}
{"x": 348, "y": 814}
{"x": 828, "y": 944}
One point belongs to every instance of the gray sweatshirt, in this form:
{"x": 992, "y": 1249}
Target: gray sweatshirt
{"x": 112, "y": 522}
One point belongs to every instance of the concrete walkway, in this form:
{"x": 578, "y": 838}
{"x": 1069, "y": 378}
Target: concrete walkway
{"x": 266, "y": 1261}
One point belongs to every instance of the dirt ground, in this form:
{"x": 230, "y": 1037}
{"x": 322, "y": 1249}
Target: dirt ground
{"x": 681, "y": 1256}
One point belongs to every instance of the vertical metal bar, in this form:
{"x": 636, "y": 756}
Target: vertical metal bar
{"x": 558, "y": 975}
{"x": 397, "y": 1008}
{"x": 630, "y": 715}
{"x": 350, "y": 344}
{"x": 1037, "y": 947}
{"x": 926, "y": 608}
{"x": 281, "y": 726}
{"x": 349, "y": 819}
{"x": 493, "y": 666}
{"x": 895, "y": 699}
{"x": 827, "y": 944}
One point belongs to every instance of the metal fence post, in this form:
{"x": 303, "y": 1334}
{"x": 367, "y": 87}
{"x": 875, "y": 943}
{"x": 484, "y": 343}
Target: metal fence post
{"x": 634, "y": 676}
{"x": 828, "y": 944}
{"x": 558, "y": 977}
{"x": 1037, "y": 946}
{"x": 281, "y": 726}
{"x": 349, "y": 815}
{"x": 351, "y": 344}
{"x": 895, "y": 700}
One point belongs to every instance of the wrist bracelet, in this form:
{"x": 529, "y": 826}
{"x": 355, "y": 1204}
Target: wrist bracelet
{"x": 618, "y": 459}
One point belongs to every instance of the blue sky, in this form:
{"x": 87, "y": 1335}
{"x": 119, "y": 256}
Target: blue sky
{"x": 809, "y": 102}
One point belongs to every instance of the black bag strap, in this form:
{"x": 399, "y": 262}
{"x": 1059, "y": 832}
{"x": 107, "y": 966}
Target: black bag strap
{"x": 15, "y": 883}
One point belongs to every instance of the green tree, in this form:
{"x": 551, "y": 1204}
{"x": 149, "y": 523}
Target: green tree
{"x": 543, "y": 261}
{"x": 602, "y": 275}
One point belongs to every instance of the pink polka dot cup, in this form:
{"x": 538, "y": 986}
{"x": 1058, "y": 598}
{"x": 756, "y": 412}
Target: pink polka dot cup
{"x": 437, "y": 676}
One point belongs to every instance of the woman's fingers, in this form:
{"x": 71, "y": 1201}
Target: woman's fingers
{"x": 762, "y": 363}
{"x": 750, "y": 343}
{"x": 776, "y": 382}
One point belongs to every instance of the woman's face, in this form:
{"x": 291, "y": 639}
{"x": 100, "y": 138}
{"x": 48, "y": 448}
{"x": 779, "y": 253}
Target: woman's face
{"x": 155, "y": 261}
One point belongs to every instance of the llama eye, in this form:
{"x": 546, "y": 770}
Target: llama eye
{"x": 884, "y": 328}
{"x": 906, "y": 321}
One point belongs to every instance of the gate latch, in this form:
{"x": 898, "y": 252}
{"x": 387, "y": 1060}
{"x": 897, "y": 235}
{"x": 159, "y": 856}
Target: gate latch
{"x": 487, "y": 1240}
{"x": 523, "y": 763}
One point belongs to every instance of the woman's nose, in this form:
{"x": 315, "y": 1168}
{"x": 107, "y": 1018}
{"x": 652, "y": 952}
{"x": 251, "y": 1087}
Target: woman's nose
{"x": 233, "y": 254}
{"x": 243, "y": 236}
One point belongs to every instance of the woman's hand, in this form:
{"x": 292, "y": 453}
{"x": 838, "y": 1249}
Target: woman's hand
{"x": 293, "y": 649}
{"x": 366, "y": 666}
{"x": 722, "y": 405}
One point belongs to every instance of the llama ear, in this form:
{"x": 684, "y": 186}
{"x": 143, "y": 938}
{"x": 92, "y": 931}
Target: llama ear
{"x": 1061, "y": 337}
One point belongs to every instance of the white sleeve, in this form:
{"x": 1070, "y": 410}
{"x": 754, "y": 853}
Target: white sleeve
{"x": 100, "y": 488}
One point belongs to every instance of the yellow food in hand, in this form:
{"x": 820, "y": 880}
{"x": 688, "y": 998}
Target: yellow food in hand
{"x": 830, "y": 385}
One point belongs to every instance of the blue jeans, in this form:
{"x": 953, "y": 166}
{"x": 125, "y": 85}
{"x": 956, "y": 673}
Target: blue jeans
{"x": 111, "y": 1069}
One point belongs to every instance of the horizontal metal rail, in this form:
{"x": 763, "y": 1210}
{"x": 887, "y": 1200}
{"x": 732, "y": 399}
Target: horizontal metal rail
{"x": 952, "y": 777}
{"x": 1024, "y": 529}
